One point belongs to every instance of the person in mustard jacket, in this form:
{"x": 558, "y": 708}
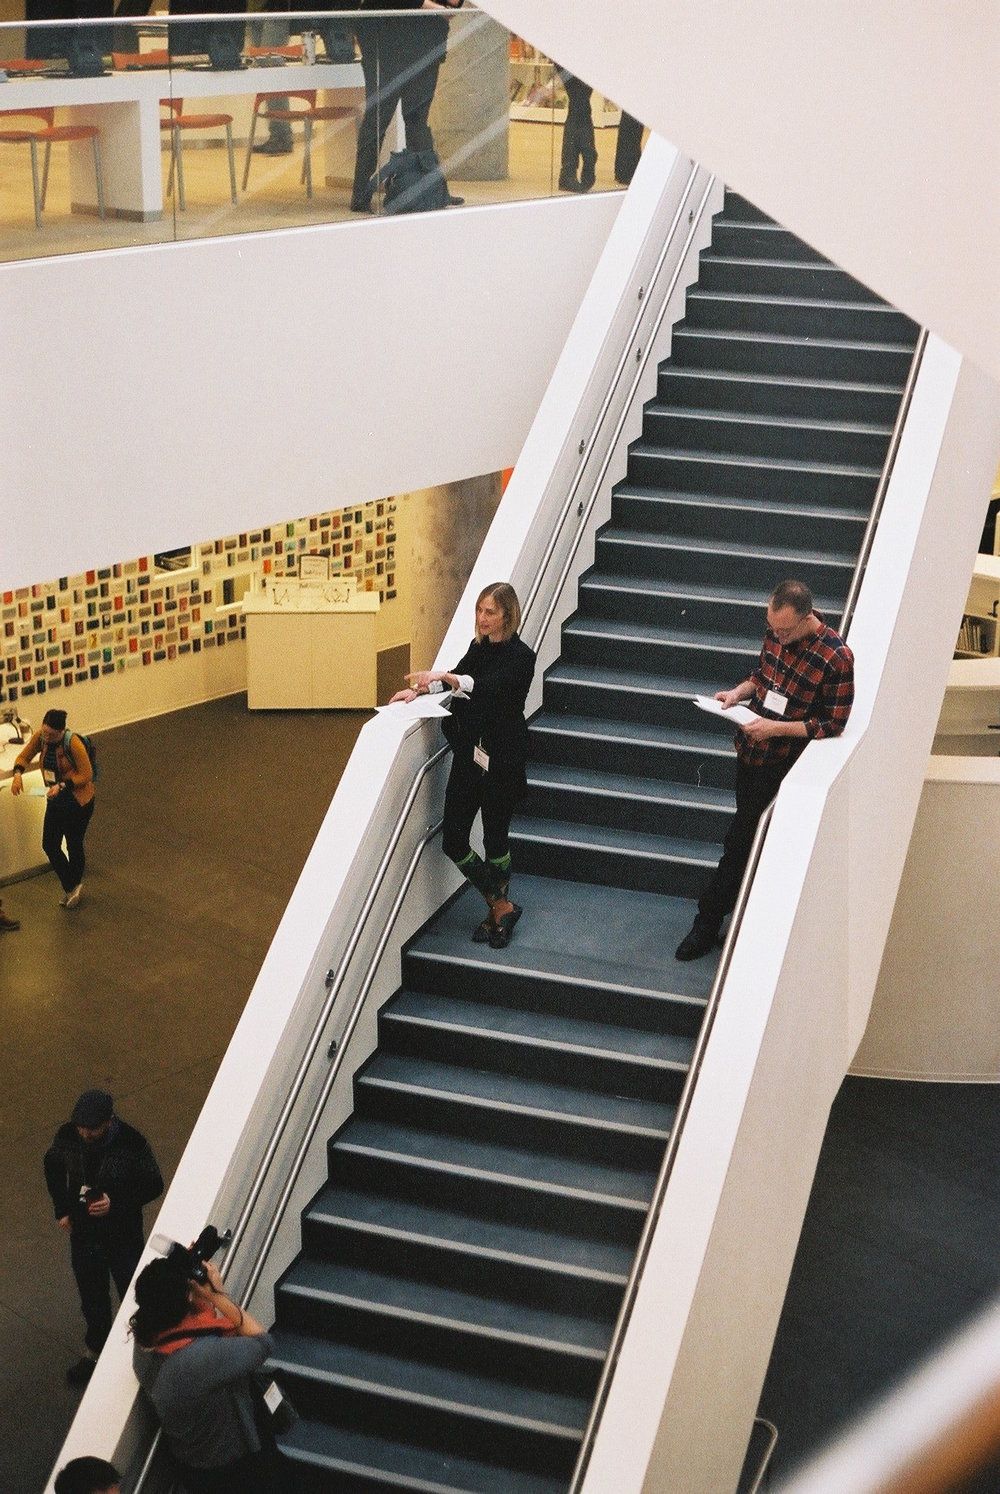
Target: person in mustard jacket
{"x": 68, "y": 774}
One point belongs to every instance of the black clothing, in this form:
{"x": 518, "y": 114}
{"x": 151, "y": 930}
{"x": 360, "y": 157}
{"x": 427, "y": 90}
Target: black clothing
{"x": 578, "y": 143}
{"x": 492, "y": 717}
{"x": 123, "y": 1167}
{"x": 401, "y": 60}
{"x": 67, "y": 820}
{"x": 755, "y": 788}
{"x": 628, "y": 148}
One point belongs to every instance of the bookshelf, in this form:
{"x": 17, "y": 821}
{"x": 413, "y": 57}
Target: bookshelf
{"x": 537, "y": 94}
{"x": 979, "y": 634}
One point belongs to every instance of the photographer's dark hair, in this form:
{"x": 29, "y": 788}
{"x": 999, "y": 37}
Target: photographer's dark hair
{"x": 161, "y": 1299}
{"x": 87, "y": 1476}
{"x": 55, "y": 719}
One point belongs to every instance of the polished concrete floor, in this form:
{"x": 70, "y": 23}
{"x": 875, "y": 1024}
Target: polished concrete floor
{"x": 204, "y": 819}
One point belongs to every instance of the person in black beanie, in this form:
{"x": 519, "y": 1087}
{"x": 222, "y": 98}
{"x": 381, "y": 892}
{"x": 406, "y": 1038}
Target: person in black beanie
{"x": 489, "y": 739}
{"x": 100, "y": 1172}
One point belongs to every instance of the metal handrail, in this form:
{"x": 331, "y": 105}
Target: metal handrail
{"x": 715, "y": 994}
{"x": 586, "y": 447}
{"x": 868, "y": 538}
{"x": 765, "y": 1461}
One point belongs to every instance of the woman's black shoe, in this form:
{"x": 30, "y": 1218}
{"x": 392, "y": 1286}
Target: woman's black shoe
{"x": 700, "y": 938}
{"x": 569, "y": 183}
{"x": 501, "y": 931}
{"x": 481, "y": 933}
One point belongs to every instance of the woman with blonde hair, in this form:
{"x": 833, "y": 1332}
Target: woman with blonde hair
{"x": 488, "y": 736}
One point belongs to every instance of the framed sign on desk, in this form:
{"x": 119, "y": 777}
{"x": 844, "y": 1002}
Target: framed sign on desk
{"x": 314, "y": 567}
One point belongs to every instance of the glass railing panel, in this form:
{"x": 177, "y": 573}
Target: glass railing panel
{"x": 219, "y": 122}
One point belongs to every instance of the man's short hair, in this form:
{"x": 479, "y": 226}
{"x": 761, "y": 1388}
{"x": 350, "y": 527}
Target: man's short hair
{"x": 56, "y": 719}
{"x": 794, "y": 594}
{"x": 87, "y": 1476}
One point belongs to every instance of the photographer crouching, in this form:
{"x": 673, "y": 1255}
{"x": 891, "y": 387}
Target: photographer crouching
{"x": 195, "y": 1354}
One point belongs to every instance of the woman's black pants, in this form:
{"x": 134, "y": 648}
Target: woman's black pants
{"x": 470, "y": 791}
{"x": 66, "y": 820}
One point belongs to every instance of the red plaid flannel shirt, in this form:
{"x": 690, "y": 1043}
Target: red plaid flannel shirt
{"x": 816, "y": 676}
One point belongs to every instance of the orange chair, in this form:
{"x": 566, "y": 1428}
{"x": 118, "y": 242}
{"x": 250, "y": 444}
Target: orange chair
{"x": 307, "y": 116}
{"x": 48, "y": 133}
{"x": 176, "y": 121}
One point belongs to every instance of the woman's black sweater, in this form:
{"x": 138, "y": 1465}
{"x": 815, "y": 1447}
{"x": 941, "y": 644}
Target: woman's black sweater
{"x": 493, "y": 713}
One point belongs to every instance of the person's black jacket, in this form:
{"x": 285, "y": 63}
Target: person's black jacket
{"x": 123, "y": 1167}
{"x": 494, "y": 712}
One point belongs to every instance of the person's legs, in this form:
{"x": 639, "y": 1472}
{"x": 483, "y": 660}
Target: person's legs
{"x": 382, "y": 95}
{"x": 755, "y": 788}
{"x": 578, "y": 137}
{"x": 462, "y": 801}
{"x": 77, "y": 820}
{"x": 498, "y": 803}
{"x": 53, "y": 830}
{"x": 122, "y": 1256}
{"x": 628, "y": 148}
{"x": 274, "y": 32}
{"x": 93, "y": 1280}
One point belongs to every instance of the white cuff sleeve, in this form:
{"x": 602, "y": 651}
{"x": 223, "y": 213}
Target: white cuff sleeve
{"x": 466, "y": 682}
{"x": 435, "y": 687}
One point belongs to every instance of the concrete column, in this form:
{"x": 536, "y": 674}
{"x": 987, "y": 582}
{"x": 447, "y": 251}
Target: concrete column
{"x": 445, "y": 528}
{"x": 470, "y": 117}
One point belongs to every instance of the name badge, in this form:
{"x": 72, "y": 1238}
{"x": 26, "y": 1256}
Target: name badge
{"x": 481, "y": 758}
{"x": 775, "y": 702}
{"x": 48, "y": 776}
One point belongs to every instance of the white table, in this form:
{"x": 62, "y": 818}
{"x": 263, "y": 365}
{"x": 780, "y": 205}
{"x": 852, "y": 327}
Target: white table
{"x": 312, "y": 654}
{"x": 20, "y": 818}
{"x": 126, "y": 109}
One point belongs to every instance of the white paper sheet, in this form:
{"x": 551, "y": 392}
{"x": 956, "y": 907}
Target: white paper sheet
{"x": 740, "y": 714}
{"x": 414, "y": 710}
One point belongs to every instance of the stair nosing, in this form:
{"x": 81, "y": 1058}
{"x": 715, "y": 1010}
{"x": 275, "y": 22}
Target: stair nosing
{"x": 589, "y": 982}
{"x": 731, "y": 503}
{"x": 708, "y": 863}
{"x": 793, "y": 339}
{"x": 328, "y": 1462}
{"x": 546, "y": 1045}
{"x": 809, "y": 303}
{"x": 797, "y": 381}
{"x": 597, "y": 791}
{"x": 463, "y": 1247}
{"x": 707, "y": 748}
{"x": 688, "y": 545}
{"x": 643, "y": 448}
{"x": 421, "y": 1398}
{"x": 763, "y": 418}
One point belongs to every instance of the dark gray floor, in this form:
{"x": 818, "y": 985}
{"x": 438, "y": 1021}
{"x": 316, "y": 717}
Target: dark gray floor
{"x": 899, "y": 1247}
{"x": 204, "y": 819}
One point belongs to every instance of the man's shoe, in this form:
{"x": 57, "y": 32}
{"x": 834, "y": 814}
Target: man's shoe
{"x": 8, "y": 924}
{"x": 452, "y": 201}
{"x": 273, "y": 148}
{"x": 568, "y": 182}
{"x": 73, "y": 898}
{"x": 700, "y": 938}
{"x": 64, "y": 900}
{"x": 361, "y": 204}
{"x": 80, "y": 1372}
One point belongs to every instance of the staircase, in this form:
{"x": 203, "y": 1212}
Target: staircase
{"x": 445, "y": 1324}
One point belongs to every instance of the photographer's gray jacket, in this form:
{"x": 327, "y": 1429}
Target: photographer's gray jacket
{"x": 201, "y": 1394}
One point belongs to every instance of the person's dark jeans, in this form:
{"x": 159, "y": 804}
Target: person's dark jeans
{"x": 755, "y": 788}
{"x": 401, "y": 63}
{"x": 66, "y": 820}
{"x": 628, "y": 148}
{"x": 578, "y": 143}
{"x": 95, "y": 1264}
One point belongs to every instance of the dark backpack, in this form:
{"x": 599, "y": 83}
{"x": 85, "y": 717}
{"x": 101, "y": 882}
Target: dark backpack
{"x": 413, "y": 182}
{"x": 89, "y": 747}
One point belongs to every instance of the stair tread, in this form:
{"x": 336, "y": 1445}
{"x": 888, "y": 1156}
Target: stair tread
{"x": 656, "y": 539}
{"x": 657, "y": 791}
{"x": 735, "y": 502}
{"x": 713, "y": 257}
{"x": 617, "y": 941}
{"x": 580, "y": 1255}
{"x": 547, "y": 1027}
{"x": 514, "y": 1094}
{"x": 748, "y": 599}
{"x": 600, "y": 676}
{"x": 606, "y": 837}
{"x": 403, "y": 1465}
{"x": 621, "y": 630}
{"x": 796, "y": 381}
{"x": 644, "y": 448}
{"x": 715, "y": 743}
{"x": 759, "y": 418}
{"x": 435, "y": 1385}
{"x": 448, "y": 1305}
{"x": 794, "y": 339}
{"x": 810, "y": 303}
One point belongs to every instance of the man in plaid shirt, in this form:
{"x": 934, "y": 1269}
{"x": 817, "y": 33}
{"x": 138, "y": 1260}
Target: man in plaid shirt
{"x": 802, "y": 690}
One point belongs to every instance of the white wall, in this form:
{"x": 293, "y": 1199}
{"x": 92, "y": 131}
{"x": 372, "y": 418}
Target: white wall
{"x": 161, "y": 395}
{"x": 934, "y": 1015}
{"x": 872, "y": 130}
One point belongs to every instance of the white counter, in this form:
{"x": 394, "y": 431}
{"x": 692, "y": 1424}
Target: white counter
{"x": 20, "y": 819}
{"x": 307, "y": 653}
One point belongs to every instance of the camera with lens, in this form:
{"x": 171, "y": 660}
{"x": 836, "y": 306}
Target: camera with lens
{"x": 189, "y": 1260}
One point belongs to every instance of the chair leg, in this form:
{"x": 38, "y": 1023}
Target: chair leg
{"x": 232, "y": 164}
{"x": 173, "y": 163}
{"x": 45, "y": 173}
{"x": 179, "y": 149}
{"x": 34, "y": 182}
{"x": 307, "y": 162}
{"x": 246, "y": 163}
{"x": 99, "y": 177}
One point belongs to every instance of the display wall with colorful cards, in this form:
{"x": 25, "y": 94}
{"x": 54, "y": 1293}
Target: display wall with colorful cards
{"x": 138, "y": 614}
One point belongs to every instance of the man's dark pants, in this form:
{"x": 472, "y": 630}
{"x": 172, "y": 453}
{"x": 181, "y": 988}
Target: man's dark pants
{"x": 401, "y": 66}
{"x": 755, "y": 788}
{"x": 95, "y": 1264}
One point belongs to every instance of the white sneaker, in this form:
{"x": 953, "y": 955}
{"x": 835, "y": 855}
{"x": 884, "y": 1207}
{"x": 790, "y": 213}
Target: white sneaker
{"x": 73, "y": 898}
{"x": 64, "y": 900}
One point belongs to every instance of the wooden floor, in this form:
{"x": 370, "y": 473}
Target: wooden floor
{"x": 203, "y": 822}
{"x": 275, "y": 197}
